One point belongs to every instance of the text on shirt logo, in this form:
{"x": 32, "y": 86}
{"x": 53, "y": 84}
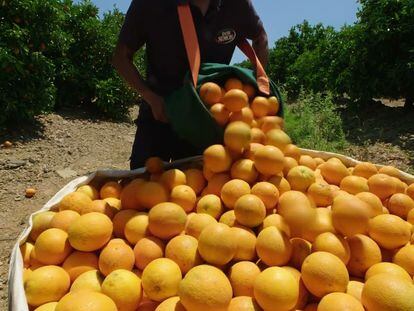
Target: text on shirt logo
{"x": 226, "y": 36}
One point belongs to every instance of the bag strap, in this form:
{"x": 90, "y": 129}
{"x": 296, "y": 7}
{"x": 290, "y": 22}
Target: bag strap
{"x": 193, "y": 49}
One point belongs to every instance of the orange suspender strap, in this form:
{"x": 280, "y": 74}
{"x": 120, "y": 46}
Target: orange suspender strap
{"x": 193, "y": 49}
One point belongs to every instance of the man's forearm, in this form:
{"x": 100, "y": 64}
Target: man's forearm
{"x": 261, "y": 48}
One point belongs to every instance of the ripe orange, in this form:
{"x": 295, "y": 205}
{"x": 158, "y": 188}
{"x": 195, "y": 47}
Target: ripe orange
{"x": 220, "y": 114}
{"x": 166, "y": 220}
{"x": 242, "y": 276}
{"x": 390, "y": 171}
{"x": 334, "y": 244}
{"x": 375, "y": 205}
{"x": 62, "y": 220}
{"x": 52, "y": 247}
{"x": 197, "y": 222}
{"x": 269, "y": 160}
{"x": 26, "y": 249}
{"x": 245, "y": 115}
{"x": 216, "y": 183}
{"x": 173, "y": 178}
{"x": 292, "y": 151}
{"x": 244, "y": 169}
{"x": 146, "y": 250}
{"x": 260, "y": 106}
{"x": 100, "y": 206}
{"x": 274, "y": 105}
{"x": 195, "y": 179}
{"x": 303, "y": 292}
{"x": 154, "y": 165}
{"x": 365, "y": 169}
{"x": 277, "y": 138}
{"x": 228, "y": 218}
{"x": 277, "y": 221}
{"x": 308, "y": 161}
{"x": 355, "y": 289}
{"x": 257, "y": 136}
{"x": 235, "y": 100}
{"x": 270, "y": 122}
{"x": 354, "y": 184}
{"x": 250, "y": 90}
{"x": 364, "y": 254}
{"x": 243, "y": 303}
{"x": 233, "y": 190}
{"x": 410, "y": 191}
{"x": 400, "y": 204}
{"x": 75, "y": 201}
{"x": 237, "y": 136}
{"x": 404, "y": 257}
{"x": 300, "y": 178}
{"x": 90, "y": 191}
{"x": 320, "y": 223}
{"x": 389, "y": 231}
{"x": 339, "y": 301}
{"x": 245, "y": 240}
{"x": 80, "y": 262}
{"x": 300, "y": 250}
{"x": 273, "y": 247}
{"x": 210, "y": 93}
{"x": 116, "y": 255}
{"x": 183, "y": 251}
{"x": 150, "y": 194}
{"x": 250, "y": 211}
{"x": 321, "y": 194}
{"x": 184, "y": 196}
{"x": 382, "y": 185}
{"x": 111, "y": 189}
{"x": 289, "y": 163}
{"x": 210, "y": 204}
{"x": 136, "y": 227}
{"x": 233, "y": 83}
{"x": 41, "y": 222}
{"x": 333, "y": 171}
{"x": 217, "y": 159}
{"x": 267, "y": 192}
{"x": 251, "y": 150}
{"x": 389, "y": 268}
{"x": 281, "y": 184}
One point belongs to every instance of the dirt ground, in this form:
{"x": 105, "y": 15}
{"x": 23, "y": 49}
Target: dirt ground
{"x": 64, "y": 145}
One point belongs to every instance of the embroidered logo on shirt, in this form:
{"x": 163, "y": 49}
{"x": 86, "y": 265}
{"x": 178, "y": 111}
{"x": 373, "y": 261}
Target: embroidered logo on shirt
{"x": 226, "y": 36}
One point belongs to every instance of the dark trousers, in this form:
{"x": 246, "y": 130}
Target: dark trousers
{"x": 157, "y": 139}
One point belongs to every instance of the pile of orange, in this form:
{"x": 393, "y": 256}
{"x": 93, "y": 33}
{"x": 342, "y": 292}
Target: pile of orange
{"x": 260, "y": 226}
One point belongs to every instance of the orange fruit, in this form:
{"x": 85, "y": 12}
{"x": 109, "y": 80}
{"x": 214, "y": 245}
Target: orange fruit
{"x": 62, "y": 220}
{"x": 95, "y": 301}
{"x": 242, "y": 276}
{"x": 340, "y": 301}
{"x": 250, "y": 211}
{"x": 257, "y": 136}
{"x": 220, "y": 114}
{"x": 233, "y": 190}
{"x": 300, "y": 250}
{"x": 128, "y": 197}
{"x": 245, "y": 240}
{"x": 260, "y": 106}
{"x": 195, "y": 179}
{"x": 410, "y": 191}
{"x": 273, "y": 247}
{"x": 173, "y": 178}
{"x": 354, "y": 184}
{"x": 243, "y": 303}
{"x": 269, "y": 160}
{"x": 116, "y": 255}
{"x": 237, "y": 136}
{"x": 111, "y": 189}
{"x": 350, "y": 215}
{"x": 321, "y": 194}
{"x": 404, "y": 257}
{"x": 292, "y": 151}
{"x": 400, "y": 204}
{"x": 410, "y": 217}
{"x": 216, "y": 244}
{"x": 150, "y": 194}
{"x": 197, "y": 223}
{"x": 170, "y": 304}
{"x": 277, "y": 221}
{"x": 90, "y": 191}
{"x": 210, "y": 204}
{"x": 90, "y": 232}
{"x": 320, "y": 223}
{"x": 389, "y": 231}
{"x": 78, "y": 263}
{"x": 75, "y": 201}
{"x": 281, "y": 184}
{"x": 324, "y": 273}
{"x": 216, "y": 183}
{"x": 364, "y": 254}
{"x": 277, "y": 138}
{"x": 166, "y": 220}
{"x": 303, "y": 296}
{"x": 270, "y": 122}
{"x": 390, "y": 171}
{"x": 210, "y": 93}
{"x": 318, "y": 161}
{"x": 274, "y": 105}
{"x": 205, "y": 288}
{"x": 365, "y": 169}
{"x": 249, "y": 152}
{"x": 46, "y": 284}
{"x": 228, "y": 218}
{"x": 136, "y": 227}
{"x": 235, "y": 100}
{"x": 233, "y": 83}
{"x": 375, "y": 205}
{"x": 114, "y": 203}
{"x": 300, "y": 178}
{"x": 266, "y": 192}
{"x": 120, "y": 220}
{"x": 184, "y": 196}
{"x": 382, "y": 185}
{"x": 289, "y": 163}
{"x": 245, "y": 115}
{"x": 400, "y": 185}
{"x": 333, "y": 171}
{"x": 146, "y": 250}
{"x": 52, "y": 247}
{"x": 250, "y": 90}
{"x": 100, "y": 206}
{"x": 154, "y": 165}
{"x": 244, "y": 169}
{"x": 217, "y": 159}
{"x": 183, "y": 251}
{"x": 276, "y": 289}
{"x": 26, "y": 249}
{"x": 308, "y": 161}
{"x": 355, "y": 289}
{"x": 334, "y": 244}
{"x": 389, "y": 268}
{"x": 41, "y": 222}
{"x": 50, "y": 306}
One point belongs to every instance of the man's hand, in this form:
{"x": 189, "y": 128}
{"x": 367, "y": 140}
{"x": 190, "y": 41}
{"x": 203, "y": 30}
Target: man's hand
{"x": 157, "y": 105}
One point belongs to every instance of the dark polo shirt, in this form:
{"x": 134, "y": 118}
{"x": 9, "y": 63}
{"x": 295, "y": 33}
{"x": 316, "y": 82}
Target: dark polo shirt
{"x": 155, "y": 23}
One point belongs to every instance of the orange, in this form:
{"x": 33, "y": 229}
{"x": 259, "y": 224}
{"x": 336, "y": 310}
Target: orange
{"x": 228, "y": 218}
{"x": 150, "y": 194}
{"x": 251, "y": 150}
{"x": 250, "y": 90}
{"x": 400, "y": 204}
{"x": 277, "y": 221}
{"x": 116, "y": 255}
{"x": 250, "y": 211}
{"x": 52, "y": 247}
{"x": 389, "y": 231}
{"x": 375, "y": 205}
{"x": 354, "y": 184}
{"x": 388, "y": 293}
{"x": 266, "y": 192}
{"x": 46, "y": 284}
{"x": 235, "y": 100}
{"x": 410, "y": 217}
{"x": 205, "y": 288}
{"x": 154, "y": 165}
{"x": 404, "y": 257}
{"x": 277, "y": 138}
{"x": 308, "y": 161}
{"x": 276, "y": 289}
{"x": 281, "y": 183}
{"x": 334, "y": 244}
{"x": 120, "y": 220}
{"x": 243, "y": 303}
{"x": 220, "y": 114}
{"x": 270, "y": 122}
{"x": 216, "y": 244}
{"x": 382, "y": 185}
{"x": 184, "y": 196}
{"x": 245, "y": 115}
{"x": 197, "y": 223}
{"x": 136, "y": 227}
{"x": 257, "y": 136}
{"x": 292, "y": 151}
{"x": 289, "y": 163}
{"x": 161, "y": 278}
{"x": 183, "y": 251}
{"x": 245, "y": 240}
{"x": 320, "y": 223}
{"x": 62, "y": 220}
{"x": 75, "y": 201}
{"x": 303, "y": 296}
{"x": 237, "y": 136}
{"x": 210, "y": 204}
{"x": 146, "y": 250}
{"x": 389, "y": 268}
{"x": 333, "y": 171}
{"x": 50, "y": 306}
{"x": 365, "y": 169}
{"x": 242, "y": 276}
{"x": 300, "y": 250}
{"x": 128, "y": 197}
{"x": 124, "y": 288}
{"x": 274, "y": 105}
{"x": 321, "y": 194}
{"x": 195, "y": 179}
{"x": 78, "y": 263}
{"x": 400, "y": 186}
{"x": 233, "y": 190}
{"x": 114, "y": 203}
{"x": 364, "y": 254}
{"x": 217, "y": 159}
{"x": 170, "y": 304}
{"x": 273, "y": 247}
{"x": 410, "y": 191}
{"x": 173, "y": 178}
{"x": 244, "y": 169}
{"x": 210, "y": 93}
{"x": 90, "y": 232}
{"x": 26, "y": 249}
{"x": 300, "y": 178}
{"x": 100, "y": 206}
{"x": 76, "y": 301}
{"x": 324, "y": 273}
{"x": 216, "y": 183}
{"x": 350, "y": 215}
{"x": 166, "y": 220}
{"x": 90, "y": 191}
{"x": 355, "y": 289}
{"x": 232, "y": 84}
{"x": 269, "y": 160}
{"x": 319, "y": 161}
{"x": 339, "y": 301}
{"x": 390, "y": 171}
{"x": 260, "y": 106}
{"x": 41, "y": 222}
{"x": 111, "y": 189}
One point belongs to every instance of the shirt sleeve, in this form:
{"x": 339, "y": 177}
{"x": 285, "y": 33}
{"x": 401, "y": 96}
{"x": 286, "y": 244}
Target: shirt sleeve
{"x": 133, "y": 31}
{"x": 252, "y": 25}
